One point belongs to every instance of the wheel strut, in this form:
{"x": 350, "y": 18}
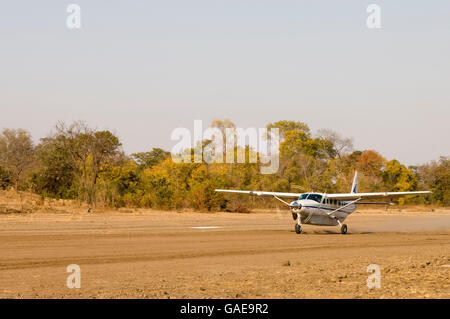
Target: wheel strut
{"x": 343, "y": 227}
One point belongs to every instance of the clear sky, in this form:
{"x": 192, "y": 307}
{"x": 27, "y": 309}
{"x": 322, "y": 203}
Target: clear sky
{"x": 143, "y": 68}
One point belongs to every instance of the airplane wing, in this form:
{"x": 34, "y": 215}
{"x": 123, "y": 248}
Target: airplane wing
{"x": 342, "y": 196}
{"x": 260, "y": 193}
{"x": 353, "y": 196}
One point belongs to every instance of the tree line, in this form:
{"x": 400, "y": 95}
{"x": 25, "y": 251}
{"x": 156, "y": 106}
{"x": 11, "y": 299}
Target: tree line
{"x": 78, "y": 162}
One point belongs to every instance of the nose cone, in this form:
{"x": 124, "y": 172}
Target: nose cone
{"x": 295, "y": 206}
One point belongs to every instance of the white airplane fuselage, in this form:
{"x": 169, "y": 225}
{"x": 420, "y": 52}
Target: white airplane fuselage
{"x": 314, "y": 213}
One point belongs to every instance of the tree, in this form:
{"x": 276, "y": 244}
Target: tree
{"x": 54, "y": 176}
{"x": 435, "y": 176}
{"x": 202, "y": 194}
{"x": 286, "y": 126}
{"x": 77, "y": 161}
{"x": 399, "y": 178}
{"x": 88, "y": 152}
{"x": 119, "y": 184}
{"x": 150, "y": 159}
{"x": 5, "y": 178}
{"x": 341, "y": 144}
{"x": 16, "y": 153}
{"x": 371, "y": 163}
{"x": 209, "y": 145}
{"x": 293, "y": 143}
{"x": 222, "y": 125}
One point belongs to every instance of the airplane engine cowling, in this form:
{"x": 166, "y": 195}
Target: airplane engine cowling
{"x": 295, "y": 206}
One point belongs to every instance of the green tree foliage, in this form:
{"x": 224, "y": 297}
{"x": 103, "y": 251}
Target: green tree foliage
{"x": 436, "y": 177}
{"x": 286, "y": 126}
{"x": 150, "y": 159}
{"x": 5, "y": 178}
{"x": 54, "y": 176}
{"x": 83, "y": 151}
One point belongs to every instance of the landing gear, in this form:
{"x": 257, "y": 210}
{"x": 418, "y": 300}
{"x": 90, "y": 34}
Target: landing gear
{"x": 298, "y": 228}
{"x": 343, "y": 227}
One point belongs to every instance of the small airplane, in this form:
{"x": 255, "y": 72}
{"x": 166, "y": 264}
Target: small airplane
{"x": 324, "y": 209}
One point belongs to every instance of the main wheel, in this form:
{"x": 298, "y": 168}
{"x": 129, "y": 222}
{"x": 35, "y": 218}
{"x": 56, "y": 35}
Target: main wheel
{"x": 298, "y": 228}
{"x": 344, "y": 229}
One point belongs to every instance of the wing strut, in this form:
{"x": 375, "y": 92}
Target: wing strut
{"x": 284, "y": 202}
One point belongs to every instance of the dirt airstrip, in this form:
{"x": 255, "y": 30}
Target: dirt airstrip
{"x": 154, "y": 254}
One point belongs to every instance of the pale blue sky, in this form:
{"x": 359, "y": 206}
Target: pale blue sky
{"x": 143, "y": 68}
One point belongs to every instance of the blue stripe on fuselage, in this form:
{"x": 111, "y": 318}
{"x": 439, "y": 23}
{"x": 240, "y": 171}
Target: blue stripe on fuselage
{"x": 328, "y": 209}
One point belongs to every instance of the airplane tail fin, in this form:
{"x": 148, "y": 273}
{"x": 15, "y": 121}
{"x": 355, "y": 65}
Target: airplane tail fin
{"x": 355, "y": 183}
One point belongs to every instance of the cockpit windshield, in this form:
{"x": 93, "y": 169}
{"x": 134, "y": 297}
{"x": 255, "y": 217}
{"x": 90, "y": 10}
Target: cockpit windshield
{"x": 314, "y": 197}
{"x": 303, "y": 196}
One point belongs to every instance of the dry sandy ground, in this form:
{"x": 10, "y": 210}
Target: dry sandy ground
{"x": 150, "y": 254}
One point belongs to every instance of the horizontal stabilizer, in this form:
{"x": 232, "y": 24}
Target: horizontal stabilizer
{"x": 376, "y": 203}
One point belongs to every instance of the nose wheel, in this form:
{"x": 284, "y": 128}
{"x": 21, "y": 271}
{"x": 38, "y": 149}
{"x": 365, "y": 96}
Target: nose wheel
{"x": 298, "y": 228}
